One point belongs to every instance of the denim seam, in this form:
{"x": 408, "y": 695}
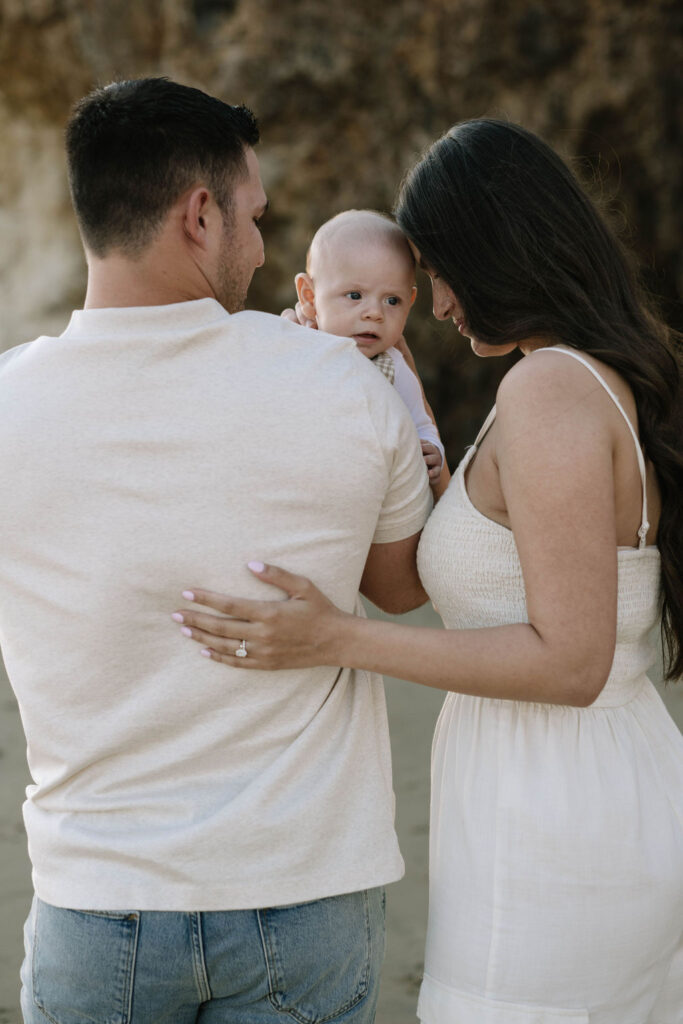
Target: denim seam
{"x": 198, "y": 962}
{"x": 368, "y": 927}
{"x": 111, "y": 915}
{"x": 132, "y": 960}
{"x": 268, "y": 955}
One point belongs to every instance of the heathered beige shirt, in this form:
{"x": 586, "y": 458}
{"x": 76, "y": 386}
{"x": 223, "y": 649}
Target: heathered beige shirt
{"x": 149, "y": 450}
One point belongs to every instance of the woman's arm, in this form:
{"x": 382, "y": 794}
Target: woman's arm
{"x": 554, "y": 453}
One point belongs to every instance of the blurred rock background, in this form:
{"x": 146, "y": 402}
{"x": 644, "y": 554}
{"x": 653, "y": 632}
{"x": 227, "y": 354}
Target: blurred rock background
{"x": 348, "y": 96}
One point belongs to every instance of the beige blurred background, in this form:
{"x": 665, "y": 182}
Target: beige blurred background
{"x": 347, "y": 96}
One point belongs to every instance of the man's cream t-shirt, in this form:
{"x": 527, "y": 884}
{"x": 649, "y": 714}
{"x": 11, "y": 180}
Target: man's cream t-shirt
{"x": 150, "y": 450}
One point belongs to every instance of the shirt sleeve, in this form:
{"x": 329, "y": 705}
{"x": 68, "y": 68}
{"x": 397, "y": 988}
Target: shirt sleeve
{"x": 408, "y": 387}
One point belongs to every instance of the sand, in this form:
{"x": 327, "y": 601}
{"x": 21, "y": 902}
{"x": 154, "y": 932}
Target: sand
{"x": 412, "y": 714}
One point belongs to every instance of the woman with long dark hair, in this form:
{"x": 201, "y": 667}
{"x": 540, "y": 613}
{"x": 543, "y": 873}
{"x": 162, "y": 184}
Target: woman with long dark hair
{"x": 556, "y": 856}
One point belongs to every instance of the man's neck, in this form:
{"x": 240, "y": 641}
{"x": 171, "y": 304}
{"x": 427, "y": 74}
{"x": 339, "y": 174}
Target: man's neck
{"x": 151, "y": 280}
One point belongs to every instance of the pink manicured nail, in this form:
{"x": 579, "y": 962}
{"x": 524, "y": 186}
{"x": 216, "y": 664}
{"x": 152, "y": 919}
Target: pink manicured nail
{"x": 205, "y": 652}
{"x": 185, "y": 631}
{"x": 256, "y": 566}
{"x": 188, "y": 595}
{"x": 177, "y": 617}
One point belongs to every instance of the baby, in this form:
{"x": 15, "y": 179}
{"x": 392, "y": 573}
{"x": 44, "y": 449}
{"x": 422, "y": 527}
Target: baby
{"x": 360, "y": 283}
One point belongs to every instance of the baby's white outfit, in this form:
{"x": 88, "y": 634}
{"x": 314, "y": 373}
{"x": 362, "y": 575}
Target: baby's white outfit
{"x": 396, "y": 370}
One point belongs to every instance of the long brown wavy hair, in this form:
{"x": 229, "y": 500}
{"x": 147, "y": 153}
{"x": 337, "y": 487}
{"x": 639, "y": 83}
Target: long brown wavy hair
{"x": 503, "y": 220}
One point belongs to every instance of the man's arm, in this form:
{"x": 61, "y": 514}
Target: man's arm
{"x": 390, "y": 578}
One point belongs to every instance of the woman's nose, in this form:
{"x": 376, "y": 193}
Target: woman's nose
{"x": 442, "y": 303}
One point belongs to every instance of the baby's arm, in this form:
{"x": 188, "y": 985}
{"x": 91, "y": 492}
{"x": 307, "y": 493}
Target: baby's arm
{"x": 408, "y": 387}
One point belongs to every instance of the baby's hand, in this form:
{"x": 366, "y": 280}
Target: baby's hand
{"x": 433, "y": 461}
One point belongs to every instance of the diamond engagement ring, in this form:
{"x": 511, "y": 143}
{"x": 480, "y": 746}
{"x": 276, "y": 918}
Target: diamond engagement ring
{"x": 241, "y": 651}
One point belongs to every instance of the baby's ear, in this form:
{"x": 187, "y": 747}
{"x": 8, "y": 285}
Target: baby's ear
{"x": 306, "y": 292}
{"x": 413, "y": 294}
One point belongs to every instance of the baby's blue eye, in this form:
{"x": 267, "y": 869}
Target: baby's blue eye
{"x": 353, "y": 295}
{"x": 393, "y": 300}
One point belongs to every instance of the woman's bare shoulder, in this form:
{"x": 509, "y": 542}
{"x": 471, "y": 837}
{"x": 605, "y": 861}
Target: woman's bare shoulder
{"x": 551, "y": 392}
{"x": 545, "y": 377}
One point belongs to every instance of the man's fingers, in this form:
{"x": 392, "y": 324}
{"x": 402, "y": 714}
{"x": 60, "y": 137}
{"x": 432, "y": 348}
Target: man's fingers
{"x": 297, "y": 317}
{"x": 303, "y": 319}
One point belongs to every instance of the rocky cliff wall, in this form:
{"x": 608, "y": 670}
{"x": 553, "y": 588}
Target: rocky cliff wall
{"x": 347, "y": 96}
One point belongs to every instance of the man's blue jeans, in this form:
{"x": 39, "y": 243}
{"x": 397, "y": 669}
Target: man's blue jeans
{"x": 310, "y": 963}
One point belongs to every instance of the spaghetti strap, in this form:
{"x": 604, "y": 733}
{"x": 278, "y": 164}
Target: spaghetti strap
{"x": 644, "y": 525}
{"x": 485, "y": 427}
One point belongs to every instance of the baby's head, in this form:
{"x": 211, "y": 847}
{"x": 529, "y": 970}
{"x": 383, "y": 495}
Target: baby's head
{"x": 359, "y": 280}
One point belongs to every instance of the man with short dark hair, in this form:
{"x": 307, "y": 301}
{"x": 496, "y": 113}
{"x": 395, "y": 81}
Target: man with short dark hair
{"x": 135, "y": 151}
{"x": 206, "y": 845}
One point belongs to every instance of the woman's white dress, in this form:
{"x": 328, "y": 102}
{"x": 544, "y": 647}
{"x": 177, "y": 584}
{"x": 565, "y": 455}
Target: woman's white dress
{"x": 556, "y": 849}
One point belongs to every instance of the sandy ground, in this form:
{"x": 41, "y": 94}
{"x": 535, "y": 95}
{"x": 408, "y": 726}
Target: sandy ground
{"x": 412, "y": 714}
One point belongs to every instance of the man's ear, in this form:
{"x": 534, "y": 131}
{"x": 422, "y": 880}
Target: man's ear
{"x": 305, "y": 289}
{"x": 199, "y": 208}
{"x": 413, "y": 294}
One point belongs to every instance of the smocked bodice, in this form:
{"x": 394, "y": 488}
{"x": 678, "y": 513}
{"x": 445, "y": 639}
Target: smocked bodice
{"x": 471, "y": 570}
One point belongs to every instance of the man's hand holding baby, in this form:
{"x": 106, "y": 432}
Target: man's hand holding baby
{"x": 297, "y": 316}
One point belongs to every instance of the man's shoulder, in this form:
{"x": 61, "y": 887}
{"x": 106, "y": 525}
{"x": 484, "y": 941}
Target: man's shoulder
{"x": 11, "y": 355}
{"x": 251, "y": 320}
